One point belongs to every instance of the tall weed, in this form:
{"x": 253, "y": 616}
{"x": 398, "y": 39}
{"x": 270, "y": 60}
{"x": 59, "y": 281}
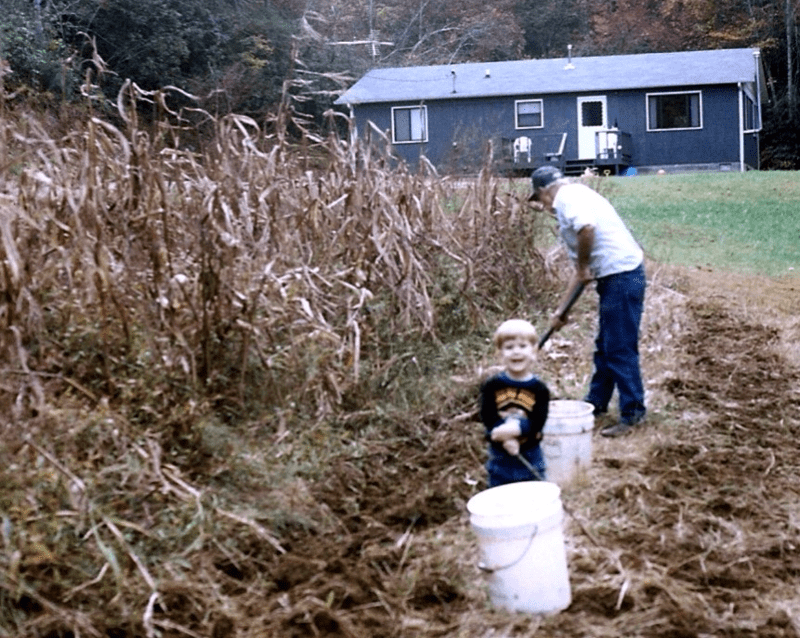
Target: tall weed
{"x": 196, "y": 324}
{"x": 244, "y": 276}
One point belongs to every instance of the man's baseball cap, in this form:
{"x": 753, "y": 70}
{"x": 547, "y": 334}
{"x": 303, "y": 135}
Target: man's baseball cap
{"x": 542, "y": 177}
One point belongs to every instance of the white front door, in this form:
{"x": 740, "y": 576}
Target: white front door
{"x": 592, "y": 117}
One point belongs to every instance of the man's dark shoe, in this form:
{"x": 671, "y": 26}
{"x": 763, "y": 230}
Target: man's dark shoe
{"x": 621, "y": 428}
{"x": 618, "y": 429}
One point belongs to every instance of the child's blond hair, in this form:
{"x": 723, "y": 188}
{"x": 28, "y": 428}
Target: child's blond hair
{"x": 514, "y": 328}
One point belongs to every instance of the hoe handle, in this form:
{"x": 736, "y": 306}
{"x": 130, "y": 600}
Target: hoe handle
{"x": 570, "y": 302}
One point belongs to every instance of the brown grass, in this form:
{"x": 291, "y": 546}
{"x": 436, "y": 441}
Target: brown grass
{"x": 171, "y": 316}
{"x": 240, "y": 392}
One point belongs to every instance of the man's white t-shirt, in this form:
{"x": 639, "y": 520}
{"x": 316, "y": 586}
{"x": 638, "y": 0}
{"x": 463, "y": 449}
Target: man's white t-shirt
{"x": 614, "y": 250}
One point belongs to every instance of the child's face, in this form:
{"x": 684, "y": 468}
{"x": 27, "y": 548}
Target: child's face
{"x": 517, "y": 355}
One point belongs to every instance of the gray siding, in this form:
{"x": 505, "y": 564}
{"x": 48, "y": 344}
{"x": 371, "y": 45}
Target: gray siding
{"x": 716, "y": 142}
{"x": 459, "y": 129}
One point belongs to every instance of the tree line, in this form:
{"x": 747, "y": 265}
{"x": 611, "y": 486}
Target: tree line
{"x": 249, "y": 56}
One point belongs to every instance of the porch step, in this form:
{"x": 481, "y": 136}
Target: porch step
{"x": 574, "y": 168}
{"x": 577, "y": 167}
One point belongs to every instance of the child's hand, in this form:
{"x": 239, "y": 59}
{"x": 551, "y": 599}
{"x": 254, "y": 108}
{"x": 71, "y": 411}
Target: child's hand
{"x": 509, "y": 429}
{"x": 511, "y": 446}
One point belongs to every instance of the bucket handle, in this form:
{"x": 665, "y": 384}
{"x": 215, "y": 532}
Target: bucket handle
{"x": 490, "y": 570}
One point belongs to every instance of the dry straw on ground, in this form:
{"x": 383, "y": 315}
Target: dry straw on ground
{"x": 228, "y": 377}
{"x": 187, "y": 339}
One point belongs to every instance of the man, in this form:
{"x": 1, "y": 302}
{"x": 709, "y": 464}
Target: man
{"x": 602, "y": 249}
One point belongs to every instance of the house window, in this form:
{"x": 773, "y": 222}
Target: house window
{"x": 670, "y": 111}
{"x": 750, "y": 114}
{"x": 409, "y": 124}
{"x": 592, "y": 113}
{"x": 529, "y": 113}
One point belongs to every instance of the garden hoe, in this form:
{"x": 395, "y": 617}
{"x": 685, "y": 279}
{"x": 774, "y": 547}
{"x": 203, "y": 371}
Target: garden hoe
{"x": 570, "y": 302}
{"x": 537, "y": 476}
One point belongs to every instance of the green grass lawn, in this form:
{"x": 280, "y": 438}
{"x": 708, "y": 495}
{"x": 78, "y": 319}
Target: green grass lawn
{"x": 745, "y": 222}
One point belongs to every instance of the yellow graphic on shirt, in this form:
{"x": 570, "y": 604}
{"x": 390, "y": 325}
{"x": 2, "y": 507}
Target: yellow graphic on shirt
{"x": 508, "y": 397}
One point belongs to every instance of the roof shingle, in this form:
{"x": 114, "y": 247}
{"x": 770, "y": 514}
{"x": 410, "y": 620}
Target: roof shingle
{"x": 539, "y": 77}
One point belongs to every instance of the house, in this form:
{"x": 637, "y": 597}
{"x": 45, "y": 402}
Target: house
{"x": 690, "y": 110}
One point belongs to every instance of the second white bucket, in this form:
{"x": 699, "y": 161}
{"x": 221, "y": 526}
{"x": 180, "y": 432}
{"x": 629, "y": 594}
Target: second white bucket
{"x": 519, "y": 528}
{"x": 567, "y": 440}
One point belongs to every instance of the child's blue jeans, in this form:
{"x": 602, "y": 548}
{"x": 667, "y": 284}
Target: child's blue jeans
{"x": 504, "y": 468}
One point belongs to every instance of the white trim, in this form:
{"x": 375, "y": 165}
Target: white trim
{"x": 741, "y": 127}
{"x": 745, "y": 97}
{"x": 424, "y": 124}
{"x": 587, "y": 135}
{"x": 757, "y": 58}
{"x": 647, "y": 97}
{"x": 354, "y": 127}
{"x": 516, "y": 114}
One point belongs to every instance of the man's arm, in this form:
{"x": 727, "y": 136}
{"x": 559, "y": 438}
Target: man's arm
{"x": 580, "y": 278}
{"x": 585, "y": 245}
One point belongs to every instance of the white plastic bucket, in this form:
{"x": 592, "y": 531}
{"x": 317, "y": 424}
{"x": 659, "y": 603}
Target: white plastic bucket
{"x": 521, "y": 546}
{"x": 567, "y": 440}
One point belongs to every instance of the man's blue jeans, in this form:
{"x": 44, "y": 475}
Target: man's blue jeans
{"x": 616, "y": 356}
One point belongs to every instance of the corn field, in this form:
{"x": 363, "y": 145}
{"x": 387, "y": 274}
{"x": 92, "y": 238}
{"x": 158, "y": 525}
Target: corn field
{"x": 239, "y": 373}
{"x": 169, "y": 300}
{"x": 247, "y": 274}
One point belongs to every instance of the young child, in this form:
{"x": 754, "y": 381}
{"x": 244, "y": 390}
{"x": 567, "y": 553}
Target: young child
{"x": 513, "y": 405}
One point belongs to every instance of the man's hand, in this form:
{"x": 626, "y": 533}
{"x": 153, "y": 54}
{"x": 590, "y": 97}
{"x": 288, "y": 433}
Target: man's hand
{"x": 536, "y": 205}
{"x": 576, "y": 285}
{"x": 583, "y": 275}
{"x": 556, "y": 322}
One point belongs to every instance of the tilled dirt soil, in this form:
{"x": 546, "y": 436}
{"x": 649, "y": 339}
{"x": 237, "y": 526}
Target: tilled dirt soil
{"x": 688, "y": 527}
{"x": 694, "y": 521}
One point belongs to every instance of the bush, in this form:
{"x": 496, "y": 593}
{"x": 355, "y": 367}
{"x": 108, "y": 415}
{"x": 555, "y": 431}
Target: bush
{"x": 780, "y": 139}
{"x": 38, "y": 58}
